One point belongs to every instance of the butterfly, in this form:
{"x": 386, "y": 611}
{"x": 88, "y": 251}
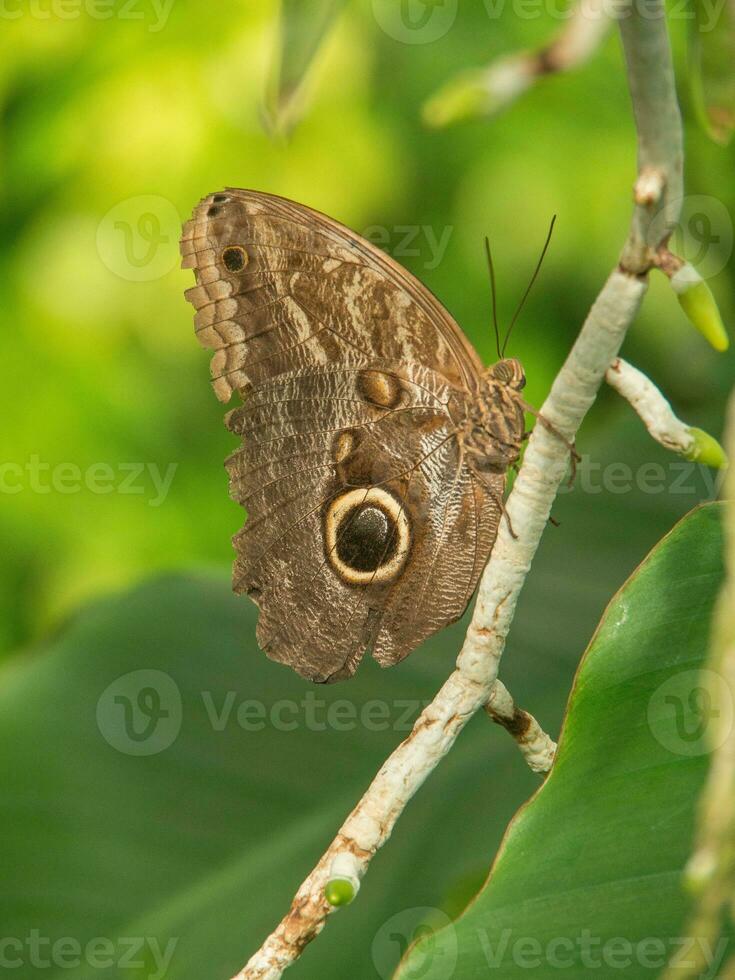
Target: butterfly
{"x": 375, "y": 444}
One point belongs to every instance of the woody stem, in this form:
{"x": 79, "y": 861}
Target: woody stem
{"x": 536, "y": 747}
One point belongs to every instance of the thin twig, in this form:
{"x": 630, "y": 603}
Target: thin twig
{"x": 471, "y": 684}
{"x": 650, "y": 404}
{"x": 537, "y": 748}
{"x": 486, "y": 91}
{"x": 659, "y": 418}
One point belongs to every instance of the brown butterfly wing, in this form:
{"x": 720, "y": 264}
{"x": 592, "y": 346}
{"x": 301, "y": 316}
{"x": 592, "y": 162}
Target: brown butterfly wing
{"x": 309, "y": 292}
{"x": 315, "y": 450}
{"x": 365, "y": 526}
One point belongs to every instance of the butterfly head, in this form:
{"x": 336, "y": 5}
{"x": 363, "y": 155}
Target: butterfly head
{"x": 509, "y": 371}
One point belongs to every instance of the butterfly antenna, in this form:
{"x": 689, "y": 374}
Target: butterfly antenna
{"x": 492, "y": 290}
{"x": 528, "y": 288}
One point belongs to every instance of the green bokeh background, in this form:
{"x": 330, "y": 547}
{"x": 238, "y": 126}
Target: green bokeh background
{"x": 99, "y": 368}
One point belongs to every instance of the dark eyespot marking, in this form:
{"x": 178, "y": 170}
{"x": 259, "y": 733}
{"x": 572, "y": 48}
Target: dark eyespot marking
{"x": 219, "y": 198}
{"x": 378, "y": 388}
{"x": 213, "y": 211}
{"x": 234, "y": 258}
{"x": 366, "y": 538}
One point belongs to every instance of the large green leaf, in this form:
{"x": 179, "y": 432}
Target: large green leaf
{"x": 588, "y": 881}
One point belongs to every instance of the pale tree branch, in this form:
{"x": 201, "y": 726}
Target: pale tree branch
{"x": 651, "y": 406}
{"x": 660, "y": 186}
{"x": 659, "y": 418}
{"x": 471, "y": 684}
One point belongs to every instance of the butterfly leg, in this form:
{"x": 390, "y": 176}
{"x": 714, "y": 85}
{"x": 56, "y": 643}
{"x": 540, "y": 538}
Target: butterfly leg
{"x": 501, "y": 504}
{"x": 571, "y": 446}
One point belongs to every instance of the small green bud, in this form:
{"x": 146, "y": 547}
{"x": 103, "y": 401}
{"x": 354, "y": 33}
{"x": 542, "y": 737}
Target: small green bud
{"x": 706, "y": 450}
{"x": 699, "y": 872}
{"x": 696, "y": 299}
{"x": 339, "y": 891}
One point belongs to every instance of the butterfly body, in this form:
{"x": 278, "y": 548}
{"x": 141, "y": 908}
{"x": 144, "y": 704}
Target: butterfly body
{"x": 375, "y": 445}
{"x": 494, "y": 424}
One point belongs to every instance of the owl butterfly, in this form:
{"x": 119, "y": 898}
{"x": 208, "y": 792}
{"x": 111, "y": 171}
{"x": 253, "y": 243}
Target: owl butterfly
{"x": 375, "y": 444}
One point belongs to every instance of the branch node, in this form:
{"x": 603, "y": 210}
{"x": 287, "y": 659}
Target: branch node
{"x": 536, "y": 747}
{"x": 649, "y": 187}
{"x": 343, "y": 883}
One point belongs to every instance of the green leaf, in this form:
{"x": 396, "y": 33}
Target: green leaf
{"x": 303, "y": 27}
{"x": 589, "y": 878}
{"x": 711, "y": 58}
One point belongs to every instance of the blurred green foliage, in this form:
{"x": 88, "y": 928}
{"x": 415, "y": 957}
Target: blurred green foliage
{"x": 165, "y": 103}
{"x": 191, "y": 818}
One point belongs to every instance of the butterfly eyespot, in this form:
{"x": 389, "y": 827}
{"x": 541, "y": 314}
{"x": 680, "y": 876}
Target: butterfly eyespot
{"x": 344, "y": 444}
{"x": 219, "y": 198}
{"x": 213, "y": 211}
{"x": 367, "y": 536}
{"x": 234, "y": 258}
{"x": 378, "y": 388}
